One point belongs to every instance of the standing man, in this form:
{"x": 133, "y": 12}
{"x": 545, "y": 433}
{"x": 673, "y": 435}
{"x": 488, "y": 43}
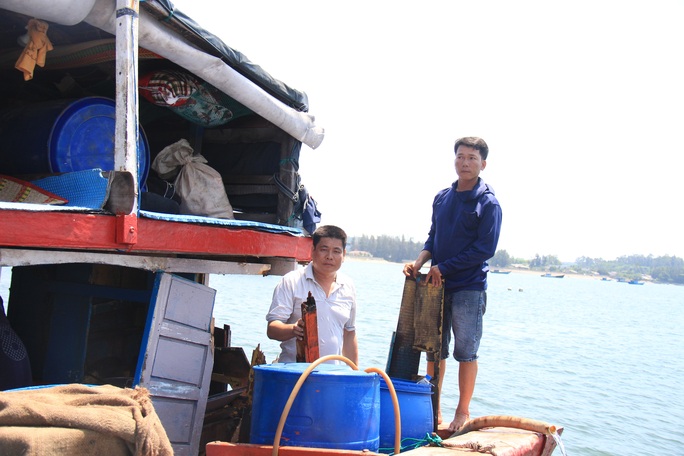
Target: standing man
{"x": 335, "y": 297}
{"x": 466, "y": 221}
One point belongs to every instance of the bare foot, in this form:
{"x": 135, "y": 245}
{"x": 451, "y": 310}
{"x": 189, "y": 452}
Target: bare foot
{"x": 459, "y": 420}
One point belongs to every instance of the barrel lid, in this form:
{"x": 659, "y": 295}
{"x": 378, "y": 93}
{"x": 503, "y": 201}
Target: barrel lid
{"x": 83, "y": 138}
{"x": 298, "y": 368}
{"x": 406, "y": 386}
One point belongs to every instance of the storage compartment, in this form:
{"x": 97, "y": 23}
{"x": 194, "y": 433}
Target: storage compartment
{"x": 60, "y": 136}
{"x": 63, "y": 120}
{"x": 80, "y": 323}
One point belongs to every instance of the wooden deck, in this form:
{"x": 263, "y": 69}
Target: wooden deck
{"x": 500, "y": 441}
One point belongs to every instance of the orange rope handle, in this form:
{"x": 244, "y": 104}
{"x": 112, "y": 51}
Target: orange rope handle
{"x": 395, "y": 403}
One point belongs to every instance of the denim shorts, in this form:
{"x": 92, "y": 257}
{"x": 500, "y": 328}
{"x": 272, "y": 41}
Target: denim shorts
{"x": 463, "y": 312}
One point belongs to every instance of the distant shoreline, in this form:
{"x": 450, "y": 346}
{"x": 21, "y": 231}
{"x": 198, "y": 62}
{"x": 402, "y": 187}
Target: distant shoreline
{"x": 512, "y": 270}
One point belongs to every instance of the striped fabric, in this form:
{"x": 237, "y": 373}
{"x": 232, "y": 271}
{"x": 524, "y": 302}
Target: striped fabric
{"x": 15, "y": 190}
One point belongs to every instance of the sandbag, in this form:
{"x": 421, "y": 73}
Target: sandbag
{"x": 65, "y": 419}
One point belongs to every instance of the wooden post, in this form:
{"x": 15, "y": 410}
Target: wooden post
{"x": 126, "y": 124}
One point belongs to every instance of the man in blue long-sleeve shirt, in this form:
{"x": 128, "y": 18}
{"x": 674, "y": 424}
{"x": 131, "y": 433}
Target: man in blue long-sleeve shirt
{"x": 466, "y": 221}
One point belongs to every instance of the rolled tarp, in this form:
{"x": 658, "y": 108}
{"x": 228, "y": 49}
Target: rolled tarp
{"x": 165, "y": 42}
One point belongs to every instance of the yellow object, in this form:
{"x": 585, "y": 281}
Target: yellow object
{"x": 36, "y": 49}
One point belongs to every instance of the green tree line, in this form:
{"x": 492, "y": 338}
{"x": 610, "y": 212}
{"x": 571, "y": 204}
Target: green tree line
{"x": 662, "y": 269}
{"x": 397, "y": 249}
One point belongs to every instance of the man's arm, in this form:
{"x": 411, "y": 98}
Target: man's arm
{"x": 350, "y": 346}
{"x": 483, "y": 248}
{"x": 277, "y": 330}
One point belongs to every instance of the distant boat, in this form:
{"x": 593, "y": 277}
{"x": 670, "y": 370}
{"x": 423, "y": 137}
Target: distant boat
{"x": 553, "y": 276}
{"x": 635, "y": 282}
{"x": 499, "y": 271}
{"x": 605, "y": 279}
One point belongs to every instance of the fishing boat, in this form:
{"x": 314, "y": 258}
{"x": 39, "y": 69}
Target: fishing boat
{"x": 553, "y": 276}
{"x": 110, "y": 269}
{"x": 635, "y": 282}
{"x": 499, "y": 271}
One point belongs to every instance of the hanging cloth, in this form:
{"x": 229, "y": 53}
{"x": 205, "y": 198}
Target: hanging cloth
{"x": 36, "y": 49}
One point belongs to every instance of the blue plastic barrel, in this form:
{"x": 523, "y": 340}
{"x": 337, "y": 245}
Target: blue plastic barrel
{"x": 337, "y": 407}
{"x": 62, "y": 136}
{"x": 415, "y": 407}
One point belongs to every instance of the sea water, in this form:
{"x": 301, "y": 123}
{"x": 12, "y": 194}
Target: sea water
{"x": 602, "y": 359}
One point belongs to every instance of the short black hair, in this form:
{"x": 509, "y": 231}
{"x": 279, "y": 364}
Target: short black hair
{"x": 329, "y": 231}
{"x": 476, "y": 143}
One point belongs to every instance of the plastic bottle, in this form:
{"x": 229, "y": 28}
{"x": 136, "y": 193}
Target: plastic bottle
{"x": 425, "y": 380}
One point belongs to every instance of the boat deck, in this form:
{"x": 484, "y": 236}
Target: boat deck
{"x": 219, "y": 244}
{"x": 498, "y": 440}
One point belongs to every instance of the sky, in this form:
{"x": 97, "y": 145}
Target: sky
{"x": 581, "y": 103}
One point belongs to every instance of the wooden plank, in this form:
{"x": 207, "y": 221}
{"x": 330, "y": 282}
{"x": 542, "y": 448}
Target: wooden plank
{"x": 289, "y": 156}
{"x": 502, "y": 441}
{"x": 256, "y": 217}
{"x": 307, "y": 347}
{"x": 66, "y": 230}
{"x": 247, "y": 449}
{"x": 405, "y": 360}
{"x": 22, "y": 257}
{"x": 126, "y": 79}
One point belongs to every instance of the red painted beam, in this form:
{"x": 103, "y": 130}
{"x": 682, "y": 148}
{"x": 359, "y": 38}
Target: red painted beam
{"x": 62, "y": 230}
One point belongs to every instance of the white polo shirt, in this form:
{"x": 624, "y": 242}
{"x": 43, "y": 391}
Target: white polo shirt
{"x": 335, "y": 313}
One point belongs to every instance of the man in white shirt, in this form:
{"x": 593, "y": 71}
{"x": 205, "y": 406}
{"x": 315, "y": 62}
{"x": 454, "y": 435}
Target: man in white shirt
{"x": 335, "y": 297}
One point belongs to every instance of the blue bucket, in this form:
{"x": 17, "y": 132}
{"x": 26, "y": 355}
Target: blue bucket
{"x": 63, "y": 136}
{"x": 415, "y": 408}
{"x": 336, "y": 407}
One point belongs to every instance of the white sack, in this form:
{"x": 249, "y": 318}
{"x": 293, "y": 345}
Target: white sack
{"x": 199, "y": 185}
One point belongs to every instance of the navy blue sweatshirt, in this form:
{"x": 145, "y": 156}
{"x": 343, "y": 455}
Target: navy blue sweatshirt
{"x": 464, "y": 234}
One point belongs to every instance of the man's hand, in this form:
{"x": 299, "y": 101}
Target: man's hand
{"x": 298, "y": 329}
{"x": 434, "y": 277}
{"x": 410, "y": 270}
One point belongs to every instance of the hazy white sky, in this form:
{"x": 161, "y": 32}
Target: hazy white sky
{"x": 581, "y": 103}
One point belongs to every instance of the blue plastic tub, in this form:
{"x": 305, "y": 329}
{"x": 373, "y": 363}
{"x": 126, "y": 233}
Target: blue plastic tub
{"x": 415, "y": 407}
{"x": 337, "y": 407}
{"x": 63, "y": 136}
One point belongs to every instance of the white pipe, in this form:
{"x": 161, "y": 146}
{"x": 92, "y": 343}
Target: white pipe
{"x": 65, "y": 12}
{"x": 154, "y": 37}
